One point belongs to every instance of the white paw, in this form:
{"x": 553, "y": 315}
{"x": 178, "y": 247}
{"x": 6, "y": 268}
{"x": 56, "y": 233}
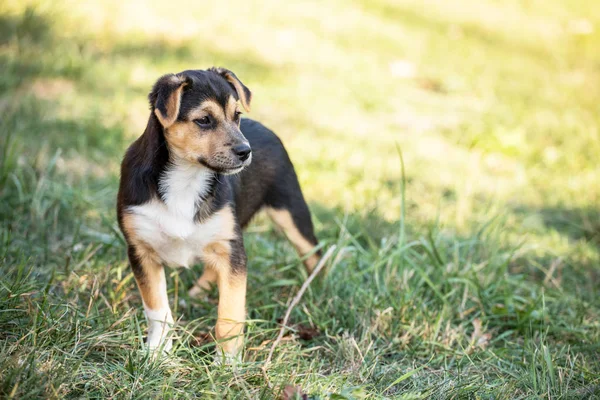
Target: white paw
{"x": 159, "y": 337}
{"x": 162, "y": 347}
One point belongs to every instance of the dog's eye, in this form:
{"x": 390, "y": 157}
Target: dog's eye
{"x": 236, "y": 116}
{"x": 203, "y": 122}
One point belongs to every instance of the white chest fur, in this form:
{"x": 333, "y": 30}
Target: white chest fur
{"x": 169, "y": 228}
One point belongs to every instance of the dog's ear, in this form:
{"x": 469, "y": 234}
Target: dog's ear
{"x": 165, "y": 97}
{"x": 244, "y": 94}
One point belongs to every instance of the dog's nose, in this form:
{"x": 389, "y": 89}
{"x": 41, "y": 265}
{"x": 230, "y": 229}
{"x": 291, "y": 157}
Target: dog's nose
{"x": 242, "y": 151}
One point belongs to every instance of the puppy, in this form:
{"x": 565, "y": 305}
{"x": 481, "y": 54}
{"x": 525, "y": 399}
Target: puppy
{"x": 190, "y": 183}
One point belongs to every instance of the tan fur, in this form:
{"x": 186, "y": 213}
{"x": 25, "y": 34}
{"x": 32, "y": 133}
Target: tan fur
{"x": 153, "y": 269}
{"x": 208, "y": 277}
{"x": 142, "y": 250}
{"x": 128, "y": 228}
{"x": 173, "y": 104}
{"x": 231, "y": 311}
{"x": 189, "y": 142}
{"x": 149, "y": 284}
{"x": 228, "y": 222}
{"x": 207, "y": 106}
{"x": 238, "y": 88}
{"x": 215, "y": 256}
{"x": 232, "y": 107}
{"x": 283, "y": 219}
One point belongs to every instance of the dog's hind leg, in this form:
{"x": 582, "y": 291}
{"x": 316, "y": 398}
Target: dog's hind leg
{"x": 288, "y": 210}
{"x": 204, "y": 283}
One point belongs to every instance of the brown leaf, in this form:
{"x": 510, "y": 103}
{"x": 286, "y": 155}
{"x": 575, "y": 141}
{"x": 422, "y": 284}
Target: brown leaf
{"x": 307, "y": 332}
{"x": 478, "y": 338}
{"x": 293, "y": 393}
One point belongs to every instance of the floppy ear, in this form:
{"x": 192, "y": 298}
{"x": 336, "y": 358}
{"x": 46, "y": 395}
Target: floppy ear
{"x": 244, "y": 94}
{"x": 165, "y": 98}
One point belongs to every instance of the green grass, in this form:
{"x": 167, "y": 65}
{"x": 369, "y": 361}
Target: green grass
{"x": 474, "y": 274}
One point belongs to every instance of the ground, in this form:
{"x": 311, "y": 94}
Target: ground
{"x": 471, "y": 272}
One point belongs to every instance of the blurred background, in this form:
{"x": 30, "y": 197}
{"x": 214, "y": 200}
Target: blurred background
{"x": 494, "y": 106}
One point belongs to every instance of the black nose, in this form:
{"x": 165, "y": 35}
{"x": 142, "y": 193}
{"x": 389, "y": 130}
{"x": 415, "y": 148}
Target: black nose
{"x": 242, "y": 151}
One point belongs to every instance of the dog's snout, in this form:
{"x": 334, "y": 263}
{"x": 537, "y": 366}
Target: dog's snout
{"x": 242, "y": 151}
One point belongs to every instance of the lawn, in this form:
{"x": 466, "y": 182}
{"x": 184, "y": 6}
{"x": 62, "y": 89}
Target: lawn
{"x": 449, "y": 150}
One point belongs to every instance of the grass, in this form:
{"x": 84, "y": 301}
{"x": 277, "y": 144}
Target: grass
{"x": 472, "y": 272}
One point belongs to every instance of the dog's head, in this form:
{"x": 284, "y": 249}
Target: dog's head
{"x": 200, "y": 116}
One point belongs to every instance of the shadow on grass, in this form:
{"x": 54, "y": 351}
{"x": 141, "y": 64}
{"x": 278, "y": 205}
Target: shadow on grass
{"x": 578, "y": 224}
{"x": 37, "y": 49}
{"x": 33, "y": 123}
{"x": 576, "y": 269}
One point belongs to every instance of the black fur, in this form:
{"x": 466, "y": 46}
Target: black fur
{"x": 206, "y": 85}
{"x": 144, "y": 162}
{"x": 136, "y": 265}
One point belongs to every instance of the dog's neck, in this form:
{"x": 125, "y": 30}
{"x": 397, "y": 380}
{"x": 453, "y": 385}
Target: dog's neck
{"x": 187, "y": 188}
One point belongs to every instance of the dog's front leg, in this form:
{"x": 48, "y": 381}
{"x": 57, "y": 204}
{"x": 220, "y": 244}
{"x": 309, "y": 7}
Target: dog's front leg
{"x": 229, "y": 262}
{"x": 231, "y": 314}
{"x": 150, "y": 277}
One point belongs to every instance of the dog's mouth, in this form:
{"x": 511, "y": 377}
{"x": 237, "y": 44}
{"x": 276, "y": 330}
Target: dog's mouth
{"x": 226, "y": 169}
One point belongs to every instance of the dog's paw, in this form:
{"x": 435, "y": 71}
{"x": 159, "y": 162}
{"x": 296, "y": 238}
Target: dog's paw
{"x": 160, "y": 349}
{"x": 197, "y": 292}
{"x": 159, "y": 340}
{"x": 204, "y": 286}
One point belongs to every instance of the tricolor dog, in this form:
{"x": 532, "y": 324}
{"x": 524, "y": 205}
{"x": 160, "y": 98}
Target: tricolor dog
{"x": 190, "y": 183}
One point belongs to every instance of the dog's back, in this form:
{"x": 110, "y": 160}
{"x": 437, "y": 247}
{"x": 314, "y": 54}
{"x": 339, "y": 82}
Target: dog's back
{"x": 270, "y": 180}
